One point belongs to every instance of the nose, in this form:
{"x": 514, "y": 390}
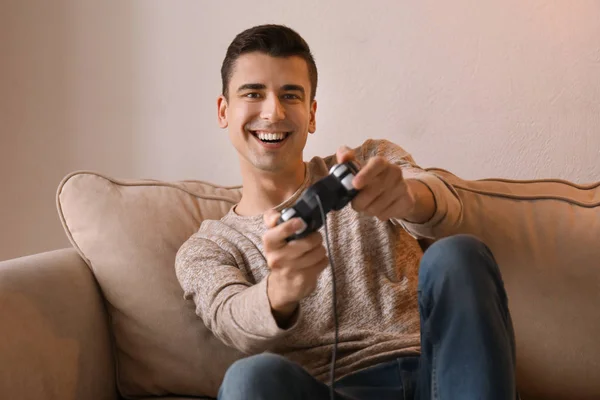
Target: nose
{"x": 272, "y": 109}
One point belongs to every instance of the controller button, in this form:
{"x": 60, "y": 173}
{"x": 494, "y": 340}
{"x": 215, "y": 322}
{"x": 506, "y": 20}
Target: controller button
{"x": 347, "y": 181}
{"x": 288, "y": 214}
{"x": 339, "y": 171}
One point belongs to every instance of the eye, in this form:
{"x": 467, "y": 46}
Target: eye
{"x": 252, "y": 95}
{"x": 291, "y": 96}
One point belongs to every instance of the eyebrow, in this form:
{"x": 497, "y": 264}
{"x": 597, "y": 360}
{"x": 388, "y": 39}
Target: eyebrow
{"x": 251, "y": 86}
{"x": 260, "y": 86}
{"x": 290, "y": 88}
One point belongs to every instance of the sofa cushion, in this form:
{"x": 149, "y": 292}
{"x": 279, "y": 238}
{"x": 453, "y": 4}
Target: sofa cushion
{"x": 128, "y": 232}
{"x": 545, "y": 235}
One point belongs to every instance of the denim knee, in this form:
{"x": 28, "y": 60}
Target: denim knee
{"x": 254, "y": 376}
{"x": 461, "y": 257}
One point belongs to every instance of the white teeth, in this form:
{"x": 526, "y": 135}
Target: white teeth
{"x": 270, "y": 136}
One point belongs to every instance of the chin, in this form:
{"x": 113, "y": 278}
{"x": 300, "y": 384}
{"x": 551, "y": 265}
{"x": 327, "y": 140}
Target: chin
{"x": 270, "y": 167}
{"x": 264, "y": 164}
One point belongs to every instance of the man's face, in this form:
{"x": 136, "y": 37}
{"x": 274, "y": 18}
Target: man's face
{"x": 268, "y": 110}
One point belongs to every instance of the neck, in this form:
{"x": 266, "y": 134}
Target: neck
{"x": 263, "y": 190}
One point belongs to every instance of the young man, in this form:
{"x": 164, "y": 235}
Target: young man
{"x": 433, "y": 325}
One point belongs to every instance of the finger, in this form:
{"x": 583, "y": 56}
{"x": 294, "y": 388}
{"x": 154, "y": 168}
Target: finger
{"x": 312, "y": 273}
{"x": 311, "y": 258}
{"x": 300, "y": 247}
{"x": 405, "y": 202}
{"x": 391, "y": 200}
{"x": 369, "y": 172}
{"x": 370, "y": 192}
{"x": 270, "y": 218}
{"x": 383, "y": 204}
{"x": 369, "y": 205}
{"x": 389, "y": 212}
{"x": 319, "y": 266}
{"x": 275, "y": 237}
{"x": 364, "y": 198}
{"x": 344, "y": 153}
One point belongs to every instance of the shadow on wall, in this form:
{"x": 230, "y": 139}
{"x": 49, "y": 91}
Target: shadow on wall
{"x": 66, "y": 104}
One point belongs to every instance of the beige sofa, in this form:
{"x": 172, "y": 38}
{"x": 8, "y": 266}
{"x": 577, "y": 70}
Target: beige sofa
{"x": 106, "y": 319}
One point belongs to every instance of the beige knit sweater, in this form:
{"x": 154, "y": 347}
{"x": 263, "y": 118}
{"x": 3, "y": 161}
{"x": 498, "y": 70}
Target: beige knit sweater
{"x": 223, "y": 269}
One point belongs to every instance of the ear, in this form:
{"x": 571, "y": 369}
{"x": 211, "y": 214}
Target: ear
{"x": 312, "y": 124}
{"x": 222, "y": 111}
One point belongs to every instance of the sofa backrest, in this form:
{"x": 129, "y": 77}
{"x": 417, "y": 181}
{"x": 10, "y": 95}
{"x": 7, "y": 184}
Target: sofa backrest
{"x": 544, "y": 235}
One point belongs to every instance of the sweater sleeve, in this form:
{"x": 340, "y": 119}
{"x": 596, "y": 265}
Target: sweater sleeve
{"x": 449, "y": 208}
{"x": 235, "y": 310}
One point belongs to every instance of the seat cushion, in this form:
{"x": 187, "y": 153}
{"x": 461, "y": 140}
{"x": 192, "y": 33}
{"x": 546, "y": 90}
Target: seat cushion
{"x": 545, "y": 235}
{"x": 129, "y": 232}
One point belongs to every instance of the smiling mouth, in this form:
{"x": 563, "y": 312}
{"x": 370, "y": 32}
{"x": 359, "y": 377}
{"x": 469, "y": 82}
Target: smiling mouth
{"x": 270, "y": 137}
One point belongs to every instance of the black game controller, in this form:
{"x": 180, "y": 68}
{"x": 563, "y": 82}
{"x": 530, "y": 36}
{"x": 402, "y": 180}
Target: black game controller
{"x": 335, "y": 191}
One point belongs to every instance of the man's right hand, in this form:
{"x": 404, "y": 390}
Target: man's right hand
{"x": 295, "y": 266}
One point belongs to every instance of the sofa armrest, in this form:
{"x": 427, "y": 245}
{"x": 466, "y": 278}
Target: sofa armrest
{"x": 54, "y": 335}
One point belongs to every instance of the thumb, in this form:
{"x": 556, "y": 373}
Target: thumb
{"x": 270, "y": 218}
{"x": 344, "y": 154}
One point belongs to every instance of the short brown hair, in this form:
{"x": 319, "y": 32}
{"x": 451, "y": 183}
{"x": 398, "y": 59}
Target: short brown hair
{"x": 274, "y": 40}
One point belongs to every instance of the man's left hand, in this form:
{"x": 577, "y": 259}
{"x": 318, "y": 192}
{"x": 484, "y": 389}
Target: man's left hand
{"x": 384, "y": 193}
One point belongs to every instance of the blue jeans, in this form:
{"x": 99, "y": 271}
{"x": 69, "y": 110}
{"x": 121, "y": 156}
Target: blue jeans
{"x": 467, "y": 342}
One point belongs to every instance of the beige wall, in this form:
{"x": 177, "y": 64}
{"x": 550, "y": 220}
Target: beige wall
{"x": 128, "y": 88}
